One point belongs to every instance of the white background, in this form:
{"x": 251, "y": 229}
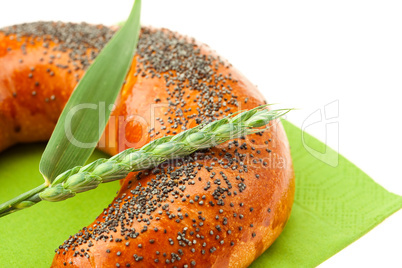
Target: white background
{"x": 303, "y": 54}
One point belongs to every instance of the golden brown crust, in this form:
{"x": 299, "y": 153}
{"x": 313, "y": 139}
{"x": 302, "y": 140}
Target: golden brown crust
{"x": 31, "y": 97}
{"x": 217, "y": 208}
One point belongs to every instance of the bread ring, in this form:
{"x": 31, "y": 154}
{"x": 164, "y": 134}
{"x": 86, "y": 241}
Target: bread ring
{"x": 221, "y": 207}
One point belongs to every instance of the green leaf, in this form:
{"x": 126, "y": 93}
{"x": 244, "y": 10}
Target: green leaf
{"x": 83, "y": 119}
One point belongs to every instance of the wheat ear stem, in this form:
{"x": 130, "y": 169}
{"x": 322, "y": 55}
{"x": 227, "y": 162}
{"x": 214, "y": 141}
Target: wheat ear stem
{"x": 84, "y": 178}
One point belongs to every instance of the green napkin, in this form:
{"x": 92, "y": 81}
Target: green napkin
{"x": 333, "y": 207}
